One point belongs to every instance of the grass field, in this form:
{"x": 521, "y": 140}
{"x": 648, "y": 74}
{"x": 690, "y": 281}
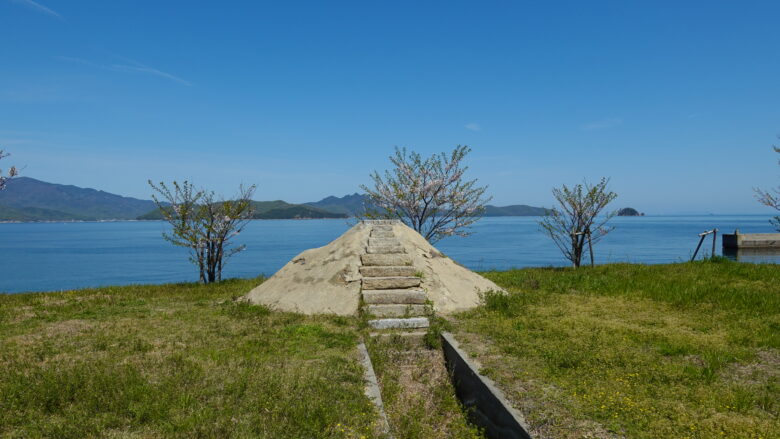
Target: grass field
{"x": 175, "y": 361}
{"x": 685, "y": 350}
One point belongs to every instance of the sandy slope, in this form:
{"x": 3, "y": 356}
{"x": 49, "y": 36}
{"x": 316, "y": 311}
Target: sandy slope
{"x": 327, "y": 279}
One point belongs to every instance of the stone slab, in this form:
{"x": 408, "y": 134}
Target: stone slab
{"x": 382, "y": 260}
{"x": 394, "y": 296}
{"x": 387, "y": 270}
{"x": 382, "y": 234}
{"x": 385, "y": 250}
{"x": 397, "y": 310}
{"x": 410, "y": 323}
{"x": 383, "y": 242}
{"x": 389, "y": 283}
{"x": 384, "y": 227}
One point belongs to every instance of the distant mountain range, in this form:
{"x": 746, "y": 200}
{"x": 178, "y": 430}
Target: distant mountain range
{"x": 28, "y": 199}
{"x": 348, "y": 204}
{"x": 354, "y": 204}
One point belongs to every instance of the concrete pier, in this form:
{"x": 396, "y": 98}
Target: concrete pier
{"x": 751, "y": 240}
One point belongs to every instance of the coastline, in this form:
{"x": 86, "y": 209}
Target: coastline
{"x": 150, "y": 221}
{"x": 659, "y": 215}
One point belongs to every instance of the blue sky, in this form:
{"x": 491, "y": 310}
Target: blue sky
{"x": 677, "y": 102}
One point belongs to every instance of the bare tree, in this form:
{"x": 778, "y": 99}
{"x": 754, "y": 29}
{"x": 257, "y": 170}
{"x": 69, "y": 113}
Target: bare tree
{"x": 203, "y": 223}
{"x": 576, "y": 220}
{"x": 12, "y": 172}
{"x": 771, "y": 198}
{"x": 429, "y": 195}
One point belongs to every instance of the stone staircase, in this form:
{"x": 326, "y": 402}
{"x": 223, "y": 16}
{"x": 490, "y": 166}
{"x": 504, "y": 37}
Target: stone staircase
{"x": 391, "y": 284}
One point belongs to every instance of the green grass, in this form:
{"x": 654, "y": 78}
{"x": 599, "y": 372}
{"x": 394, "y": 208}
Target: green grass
{"x": 179, "y": 360}
{"x": 684, "y": 350}
{"x": 419, "y": 400}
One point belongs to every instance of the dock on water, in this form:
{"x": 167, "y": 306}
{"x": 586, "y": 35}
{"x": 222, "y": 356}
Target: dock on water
{"x": 751, "y": 240}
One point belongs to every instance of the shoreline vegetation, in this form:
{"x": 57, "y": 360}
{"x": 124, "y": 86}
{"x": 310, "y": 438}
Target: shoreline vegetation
{"x": 619, "y": 350}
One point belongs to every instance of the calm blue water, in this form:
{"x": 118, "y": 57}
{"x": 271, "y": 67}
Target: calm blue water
{"x": 59, "y": 256}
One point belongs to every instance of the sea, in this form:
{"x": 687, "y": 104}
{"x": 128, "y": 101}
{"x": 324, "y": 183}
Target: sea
{"x": 70, "y": 255}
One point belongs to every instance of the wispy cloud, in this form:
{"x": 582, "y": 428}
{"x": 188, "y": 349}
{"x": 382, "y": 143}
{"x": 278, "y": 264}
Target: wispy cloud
{"x": 472, "y": 126}
{"x": 39, "y": 7}
{"x": 4, "y": 142}
{"x": 602, "y": 124}
{"x": 130, "y": 66}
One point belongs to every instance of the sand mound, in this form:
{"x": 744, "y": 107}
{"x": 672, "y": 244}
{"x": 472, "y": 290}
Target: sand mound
{"x": 320, "y": 280}
{"x": 328, "y": 280}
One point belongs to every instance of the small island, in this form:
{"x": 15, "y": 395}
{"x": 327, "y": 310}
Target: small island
{"x": 629, "y": 211}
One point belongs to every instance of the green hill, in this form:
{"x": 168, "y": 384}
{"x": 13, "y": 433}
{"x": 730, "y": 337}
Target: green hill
{"x": 629, "y": 211}
{"x": 515, "y": 210}
{"x": 348, "y": 204}
{"x": 36, "y": 214}
{"x": 277, "y": 209}
{"x": 28, "y": 199}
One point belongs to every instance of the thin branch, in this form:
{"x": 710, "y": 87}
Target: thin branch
{"x": 429, "y": 195}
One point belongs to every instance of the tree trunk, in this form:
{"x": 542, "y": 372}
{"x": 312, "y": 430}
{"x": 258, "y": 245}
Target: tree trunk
{"x": 578, "y": 244}
{"x": 218, "y": 267}
{"x": 212, "y": 262}
{"x": 201, "y": 265}
{"x": 575, "y": 253}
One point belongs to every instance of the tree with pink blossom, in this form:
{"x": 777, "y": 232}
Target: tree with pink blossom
{"x": 578, "y": 218}
{"x": 431, "y": 195}
{"x": 204, "y": 223}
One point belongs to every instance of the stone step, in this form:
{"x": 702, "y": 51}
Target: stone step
{"x": 386, "y": 260}
{"x": 379, "y": 242}
{"x": 390, "y": 282}
{"x": 382, "y": 234}
{"x": 394, "y": 296}
{"x": 414, "y": 338}
{"x": 385, "y": 250}
{"x": 388, "y": 270}
{"x": 382, "y": 227}
{"x": 410, "y": 323}
{"x": 396, "y": 310}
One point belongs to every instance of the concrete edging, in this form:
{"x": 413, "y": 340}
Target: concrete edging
{"x": 488, "y": 407}
{"x": 372, "y": 389}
